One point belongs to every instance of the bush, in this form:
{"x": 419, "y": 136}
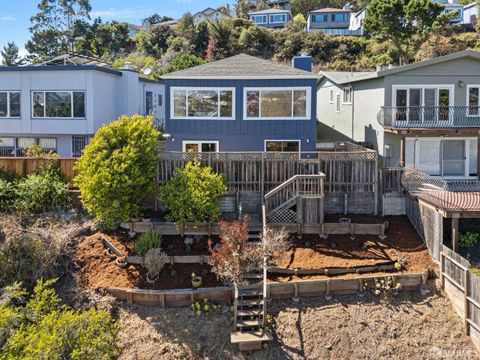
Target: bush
{"x": 155, "y": 261}
{"x": 192, "y": 194}
{"x": 149, "y": 240}
{"x": 38, "y": 193}
{"x": 43, "y": 328}
{"x": 468, "y": 240}
{"x": 117, "y": 170}
{"x": 7, "y": 195}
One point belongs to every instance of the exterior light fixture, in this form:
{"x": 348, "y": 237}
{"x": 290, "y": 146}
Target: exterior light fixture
{"x": 461, "y": 84}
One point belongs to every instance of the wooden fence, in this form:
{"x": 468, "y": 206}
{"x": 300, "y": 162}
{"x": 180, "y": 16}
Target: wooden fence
{"x": 23, "y": 166}
{"x": 463, "y": 288}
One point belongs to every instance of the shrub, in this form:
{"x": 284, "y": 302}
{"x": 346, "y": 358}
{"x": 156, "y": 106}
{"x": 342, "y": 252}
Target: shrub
{"x": 192, "y": 194}
{"x": 117, "y": 169}
{"x": 155, "y": 261}
{"x": 7, "y": 195}
{"x": 468, "y": 240}
{"x": 149, "y": 240}
{"x": 44, "y": 328}
{"x": 41, "y": 192}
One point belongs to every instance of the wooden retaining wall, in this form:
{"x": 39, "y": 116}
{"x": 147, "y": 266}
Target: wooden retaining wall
{"x": 23, "y": 166}
{"x": 284, "y": 290}
{"x": 463, "y": 289}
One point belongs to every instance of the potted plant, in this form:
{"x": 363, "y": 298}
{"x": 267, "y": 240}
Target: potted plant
{"x": 155, "y": 260}
{"x": 196, "y": 281}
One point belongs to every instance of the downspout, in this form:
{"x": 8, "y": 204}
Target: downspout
{"x": 353, "y": 112}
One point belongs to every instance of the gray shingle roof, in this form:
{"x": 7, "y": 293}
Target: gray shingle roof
{"x": 269, "y": 11}
{"x": 242, "y": 66}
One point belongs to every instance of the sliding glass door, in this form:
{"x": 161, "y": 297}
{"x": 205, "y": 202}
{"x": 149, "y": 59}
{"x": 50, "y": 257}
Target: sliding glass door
{"x": 454, "y": 158}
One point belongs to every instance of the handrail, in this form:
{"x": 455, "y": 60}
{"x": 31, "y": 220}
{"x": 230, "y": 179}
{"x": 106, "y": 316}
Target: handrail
{"x": 291, "y": 180}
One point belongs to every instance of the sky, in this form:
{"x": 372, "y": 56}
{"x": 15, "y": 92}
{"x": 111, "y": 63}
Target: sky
{"x": 15, "y": 14}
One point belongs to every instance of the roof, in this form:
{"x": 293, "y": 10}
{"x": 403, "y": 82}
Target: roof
{"x": 465, "y": 202}
{"x": 73, "y": 59}
{"x": 270, "y": 11}
{"x": 470, "y": 5}
{"x": 343, "y": 78}
{"x": 329, "y": 10}
{"x": 242, "y": 66}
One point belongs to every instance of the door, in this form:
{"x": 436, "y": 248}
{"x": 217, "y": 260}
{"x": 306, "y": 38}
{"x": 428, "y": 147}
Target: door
{"x": 454, "y": 158}
{"x": 444, "y": 104}
{"x": 415, "y": 105}
{"x": 401, "y": 105}
{"x": 430, "y": 113}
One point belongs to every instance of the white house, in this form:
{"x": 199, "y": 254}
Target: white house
{"x": 210, "y": 14}
{"x": 470, "y": 14}
{"x": 61, "y": 103}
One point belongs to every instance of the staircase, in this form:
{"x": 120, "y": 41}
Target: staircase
{"x": 283, "y": 204}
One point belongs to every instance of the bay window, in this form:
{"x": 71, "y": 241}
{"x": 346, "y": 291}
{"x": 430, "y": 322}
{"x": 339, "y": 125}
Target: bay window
{"x": 265, "y": 103}
{"x": 207, "y": 103}
{"x": 58, "y": 104}
{"x": 9, "y": 104}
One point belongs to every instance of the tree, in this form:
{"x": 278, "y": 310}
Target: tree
{"x": 53, "y": 27}
{"x": 242, "y": 8}
{"x": 192, "y": 194}
{"x": 257, "y": 41}
{"x": 156, "y": 19}
{"x": 10, "y": 55}
{"x": 154, "y": 42}
{"x": 403, "y": 22}
{"x": 117, "y": 170}
{"x": 182, "y": 62}
{"x": 200, "y": 38}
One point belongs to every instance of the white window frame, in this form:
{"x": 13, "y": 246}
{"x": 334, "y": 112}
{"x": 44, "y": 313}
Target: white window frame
{"x": 423, "y": 87}
{"x": 345, "y": 89}
{"x": 283, "y": 140}
{"x": 58, "y": 91}
{"x": 187, "y": 89}
{"x": 332, "y": 96}
{"x": 199, "y": 143}
{"x": 262, "y": 16}
{"x": 292, "y": 89}
{"x": 337, "y": 102}
{"x": 468, "y": 100}
{"x": 466, "y": 139}
{"x": 283, "y": 21}
{"x": 8, "y": 92}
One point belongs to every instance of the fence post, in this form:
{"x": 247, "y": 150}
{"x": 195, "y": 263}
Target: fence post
{"x": 466, "y": 283}
{"x": 442, "y": 269}
{"x": 375, "y": 180}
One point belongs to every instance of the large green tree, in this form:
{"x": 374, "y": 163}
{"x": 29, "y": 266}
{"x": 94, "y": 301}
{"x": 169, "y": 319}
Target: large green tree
{"x": 154, "y": 42}
{"x": 10, "y": 55}
{"x": 53, "y": 27}
{"x": 405, "y": 23}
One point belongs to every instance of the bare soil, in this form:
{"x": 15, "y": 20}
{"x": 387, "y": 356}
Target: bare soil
{"x": 98, "y": 271}
{"x": 411, "y": 326}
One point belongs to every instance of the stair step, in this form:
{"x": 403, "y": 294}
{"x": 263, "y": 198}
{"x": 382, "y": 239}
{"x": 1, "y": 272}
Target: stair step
{"x": 249, "y": 337}
{"x": 255, "y": 302}
{"x": 248, "y": 323}
{"x": 253, "y": 276}
{"x": 250, "y": 312}
{"x": 250, "y": 286}
{"x": 250, "y": 292}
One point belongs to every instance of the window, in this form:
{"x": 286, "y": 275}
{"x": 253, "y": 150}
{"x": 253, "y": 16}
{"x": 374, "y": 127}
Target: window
{"x": 78, "y": 144}
{"x": 347, "y": 95}
{"x": 473, "y": 100}
{"x": 58, "y": 104}
{"x": 278, "y": 18}
{"x": 148, "y": 103}
{"x": 337, "y": 104}
{"x": 160, "y": 100}
{"x": 211, "y": 103}
{"x": 48, "y": 144}
{"x": 319, "y": 18}
{"x": 282, "y": 145}
{"x": 200, "y": 146}
{"x": 259, "y": 19}
{"x": 332, "y": 96}
{"x": 264, "y": 103}
{"x": 9, "y": 104}
{"x": 340, "y": 17}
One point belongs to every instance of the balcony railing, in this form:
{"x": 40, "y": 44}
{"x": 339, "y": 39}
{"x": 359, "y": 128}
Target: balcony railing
{"x": 427, "y": 117}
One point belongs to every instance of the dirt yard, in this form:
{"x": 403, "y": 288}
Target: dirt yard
{"x": 412, "y": 326}
{"x": 96, "y": 270}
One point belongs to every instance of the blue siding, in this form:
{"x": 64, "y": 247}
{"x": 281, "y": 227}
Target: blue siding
{"x": 240, "y": 134}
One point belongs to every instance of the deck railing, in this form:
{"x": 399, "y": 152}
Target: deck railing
{"x": 428, "y": 117}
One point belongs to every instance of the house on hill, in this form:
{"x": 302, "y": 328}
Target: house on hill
{"x": 271, "y": 18}
{"x": 210, "y": 14}
{"x": 332, "y": 21}
{"x": 424, "y": 115}
{"x": 242, "y": 103}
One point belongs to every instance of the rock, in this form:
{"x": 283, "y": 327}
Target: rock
{"x": 132, "y": 234}
{"x": 188, "y": 241}
{"x": 307, "y": 244}
{"x": 295, "y": 299}
{"x": 333, "y": 245}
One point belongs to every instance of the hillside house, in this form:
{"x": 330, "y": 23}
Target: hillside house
{"x": 271, "y": 18}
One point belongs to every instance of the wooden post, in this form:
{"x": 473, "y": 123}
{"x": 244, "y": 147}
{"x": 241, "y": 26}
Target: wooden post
{"x": 375, "y": 186}
{"x": 442, "y": 269}
{"x": 466, "y": 284}
{"x": 455, "y": 234}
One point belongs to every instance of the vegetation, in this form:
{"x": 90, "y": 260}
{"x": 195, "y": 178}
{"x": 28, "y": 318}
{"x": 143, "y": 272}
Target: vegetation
{"x": 192, "y": 194}
{"x": 43, "y": 328}
{"x": 236, "y": 256}
{"x": 147, "y": 241}
{"x": 468, "y": 239}
{"x": 155, "y": 261}
{"x": 117, "y": 169}
{"x": 10, "y": 55}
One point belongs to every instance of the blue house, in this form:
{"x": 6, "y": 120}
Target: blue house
{"x": 271, "y": 18}
{"x": 242, "y": 103}
{"x": 452, "y": 6}
{"x": 332, "y": 21}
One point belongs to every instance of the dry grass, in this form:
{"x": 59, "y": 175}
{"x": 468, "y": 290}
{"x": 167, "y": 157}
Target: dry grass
{"x": 412, "y": 326}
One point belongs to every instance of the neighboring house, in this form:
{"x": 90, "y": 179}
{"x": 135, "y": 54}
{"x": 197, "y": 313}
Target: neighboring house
{"x": 170, "y": 23}
{"x": 271, "y": 18}
{"x": 59, "y": 104}
{"x": 357, "y": 20}
{"x": 242, "y": 103}
{"x": 424, "y": 115}
{"x": 451, "y": 6}
{"x": 210, "y": 14}
{"x": 133, "y": 30}
{"x": 281, "y": 4}
{"x": 331, "y": 21}
{"x": 470, "y": 15}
